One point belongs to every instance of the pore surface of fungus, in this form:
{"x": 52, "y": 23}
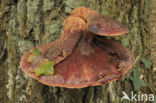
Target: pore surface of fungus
{"x": 80, "y": 59}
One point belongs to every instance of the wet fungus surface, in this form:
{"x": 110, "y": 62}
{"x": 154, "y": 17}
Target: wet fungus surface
{"x": 78, "y": 59}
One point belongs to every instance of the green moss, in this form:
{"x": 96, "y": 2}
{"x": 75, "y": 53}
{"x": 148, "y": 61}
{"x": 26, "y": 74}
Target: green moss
{"x": 73, "y": 4}
{"x": 48, "y": 5}
{"x": 68, "y": 9}
{"x": 52, "y": 30}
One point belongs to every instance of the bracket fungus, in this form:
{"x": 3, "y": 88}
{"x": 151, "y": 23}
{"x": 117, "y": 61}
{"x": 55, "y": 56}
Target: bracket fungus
{"x": 79, "y": 58}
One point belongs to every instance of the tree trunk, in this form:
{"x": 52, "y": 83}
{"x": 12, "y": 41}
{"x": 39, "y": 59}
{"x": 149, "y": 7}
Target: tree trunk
{"x": 27, "y": 23}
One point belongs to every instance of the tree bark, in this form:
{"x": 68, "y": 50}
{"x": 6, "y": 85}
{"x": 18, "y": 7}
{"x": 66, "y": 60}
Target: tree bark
{"x": 27, "y": 23}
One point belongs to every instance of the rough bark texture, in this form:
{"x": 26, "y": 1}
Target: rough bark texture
{"x": 27, "y": 23}
{"x": 153, "y": 39}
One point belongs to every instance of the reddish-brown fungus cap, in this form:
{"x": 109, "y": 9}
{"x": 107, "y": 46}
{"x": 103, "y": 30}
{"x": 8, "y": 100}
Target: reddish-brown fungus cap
{"x": 102, "y": 25}
{"x": 99, "y": 24}
{"x": 109, "y": 62}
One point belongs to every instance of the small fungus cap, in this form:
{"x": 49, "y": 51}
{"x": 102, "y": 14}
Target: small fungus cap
{"x": 98, "y": 23}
